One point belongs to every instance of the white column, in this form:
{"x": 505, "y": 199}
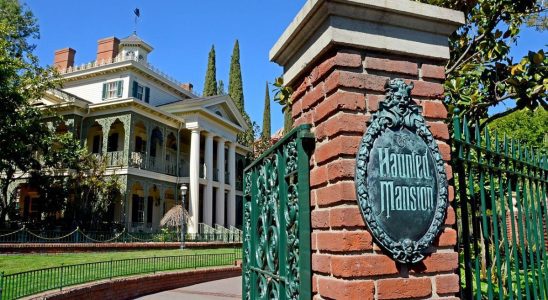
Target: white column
{"x": 231, "y": 201}
{"x": 208, "y": 197}
{"x": 194, "y": 208}
{"x": 220, "y": 208}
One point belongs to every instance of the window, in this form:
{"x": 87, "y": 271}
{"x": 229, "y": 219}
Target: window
{"x": 138, "y": 209}
{"x": 113, "y": 89}
{"x": 141, "y": 92}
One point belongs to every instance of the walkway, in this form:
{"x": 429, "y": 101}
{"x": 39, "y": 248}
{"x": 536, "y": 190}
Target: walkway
{"x": 225, "y": 289}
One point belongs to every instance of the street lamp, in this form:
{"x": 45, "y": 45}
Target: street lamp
{"x": 183, "y": 188}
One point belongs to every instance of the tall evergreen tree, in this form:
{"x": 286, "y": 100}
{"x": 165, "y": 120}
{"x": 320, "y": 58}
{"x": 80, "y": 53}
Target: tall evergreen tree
{"x": 221, "y": 88}
{"x": 210, "y": 84}
{"x": 288, "y": 121}
{"x": 267, "y": 132}
{"x": 235, "y": 86}
{"x": 236, "y": 92}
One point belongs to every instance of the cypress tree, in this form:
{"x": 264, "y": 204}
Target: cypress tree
{"x": 288, "y": 120}
{"x": 267, "y": 132}
{"x": 210, "y": 84}
{"x": 235, "y": 86}
{"x": 221, "y": 88}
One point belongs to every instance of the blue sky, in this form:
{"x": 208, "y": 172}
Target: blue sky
{"x": 182, "y": 33}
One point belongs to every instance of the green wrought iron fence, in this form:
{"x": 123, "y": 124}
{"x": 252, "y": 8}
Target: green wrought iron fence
{"x": 77, "y": 235}
{"x": 502, "y": 209}
{"x": 23, "y": 284}
{"x": 276, "y": 210}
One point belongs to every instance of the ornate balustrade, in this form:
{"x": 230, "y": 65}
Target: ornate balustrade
{"x": 118, "y": 59}
{"x": 115, "y": 158}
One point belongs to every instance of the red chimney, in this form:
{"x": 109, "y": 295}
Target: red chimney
{"x": 64, "y": 58}
{"x": 107, "y": 48}
{"x": 187, "y": 86}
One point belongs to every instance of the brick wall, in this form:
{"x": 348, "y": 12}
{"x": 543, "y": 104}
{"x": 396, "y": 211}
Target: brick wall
{"x": 338, "y": 97}
{"x": 132, "y": 287}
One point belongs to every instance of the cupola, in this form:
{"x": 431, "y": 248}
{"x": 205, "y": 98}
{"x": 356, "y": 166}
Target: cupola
{"x": 134, "y": 47}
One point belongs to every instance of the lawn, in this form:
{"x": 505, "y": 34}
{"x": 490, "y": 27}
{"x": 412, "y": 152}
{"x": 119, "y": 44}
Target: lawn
{"x": 80, "y": 268}
{"x": 15, "y": 263}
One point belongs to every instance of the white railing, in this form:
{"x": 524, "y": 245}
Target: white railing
{"x": 117, "y": 59}
{"x": 115, "y": 158}
{"x": 143, "y": 161}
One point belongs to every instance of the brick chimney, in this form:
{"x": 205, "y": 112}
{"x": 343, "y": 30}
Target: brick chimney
{"x": 107, "y": 48}
{"x": 64, "y": 58}
{"x": 187, "y": 86}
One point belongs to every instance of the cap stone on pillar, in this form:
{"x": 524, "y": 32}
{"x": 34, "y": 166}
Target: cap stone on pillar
{"x": 397, "y": 26}
{"x": 107, "y": 48}
{"x": 64, "y": 58}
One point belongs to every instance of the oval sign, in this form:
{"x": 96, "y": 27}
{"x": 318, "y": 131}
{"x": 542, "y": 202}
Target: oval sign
{"x": 400, "y": 177}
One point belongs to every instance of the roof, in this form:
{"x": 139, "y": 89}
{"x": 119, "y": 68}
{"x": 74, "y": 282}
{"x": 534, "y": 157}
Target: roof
{"x": 134, "y": 39}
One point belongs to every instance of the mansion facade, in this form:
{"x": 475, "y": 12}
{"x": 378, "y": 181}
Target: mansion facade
{"x": 154, "y": 133}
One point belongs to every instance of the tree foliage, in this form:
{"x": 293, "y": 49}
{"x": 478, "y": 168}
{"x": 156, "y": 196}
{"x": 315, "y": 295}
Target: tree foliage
{"x": 235, "y": 85}
{"x": 480, "y": 73}
{"x": 22, "y": 133}
{"x": 221, "y": 88}
{"x": 210, "y": 84}
{"x": 282, "y": 95}
{"x": 267, "y": 130}
{"x": 528, "y": 127}
{"x": 236, "y": 93}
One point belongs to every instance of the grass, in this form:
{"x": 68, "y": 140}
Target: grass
{"x": 98, "y": 266}
{"x": 15, "y": 263}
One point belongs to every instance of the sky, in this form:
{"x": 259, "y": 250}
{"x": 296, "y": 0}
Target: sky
{"x": 182, "y": 33}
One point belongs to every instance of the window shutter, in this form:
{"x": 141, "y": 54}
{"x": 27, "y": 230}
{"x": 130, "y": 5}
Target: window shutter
{"x": 104, "y": 91}
{"x": 135, "y": 87}
{"x": 147, "y": 94}
{"x": 120, "y": 87}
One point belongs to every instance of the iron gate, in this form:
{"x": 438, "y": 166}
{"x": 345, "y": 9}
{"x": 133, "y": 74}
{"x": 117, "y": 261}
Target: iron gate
{"x": 502, "y": 209}
{"x": 276, "y": 244}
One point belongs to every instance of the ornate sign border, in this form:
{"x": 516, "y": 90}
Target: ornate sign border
{"x": 398, "y": 111}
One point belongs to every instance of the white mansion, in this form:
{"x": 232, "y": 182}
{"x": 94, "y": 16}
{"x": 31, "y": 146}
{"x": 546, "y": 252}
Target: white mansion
{"x": 154, "y": 133}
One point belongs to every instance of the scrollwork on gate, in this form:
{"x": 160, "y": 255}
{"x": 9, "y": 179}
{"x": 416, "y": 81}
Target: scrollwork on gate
{"x": 273, "y": 221}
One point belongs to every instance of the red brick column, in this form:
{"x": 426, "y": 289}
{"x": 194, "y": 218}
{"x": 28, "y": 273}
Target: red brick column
{"x": 338, "y": 97}
{"x": 337, "y": 56}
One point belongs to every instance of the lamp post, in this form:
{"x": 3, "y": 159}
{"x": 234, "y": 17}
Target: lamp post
{"x": 183, "y": 188}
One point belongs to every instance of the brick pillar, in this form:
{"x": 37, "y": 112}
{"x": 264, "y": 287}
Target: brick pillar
{"x": 338, "y": 55}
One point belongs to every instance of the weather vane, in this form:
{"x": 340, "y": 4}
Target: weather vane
{"x": 137, "y": 13}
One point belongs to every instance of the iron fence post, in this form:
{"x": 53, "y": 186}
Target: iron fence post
{"x": 76, "y": 235}
{"x": 110, "y": 267}
{"x": 61, "y": 277}
{"x": 1, "y": 283}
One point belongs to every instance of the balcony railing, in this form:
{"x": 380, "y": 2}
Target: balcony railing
{"x": 115, "y": 159}
{"x": 142, "y": 161}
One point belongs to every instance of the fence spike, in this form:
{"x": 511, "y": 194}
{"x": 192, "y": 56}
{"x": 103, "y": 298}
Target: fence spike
{"x": 487, "y": 139}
